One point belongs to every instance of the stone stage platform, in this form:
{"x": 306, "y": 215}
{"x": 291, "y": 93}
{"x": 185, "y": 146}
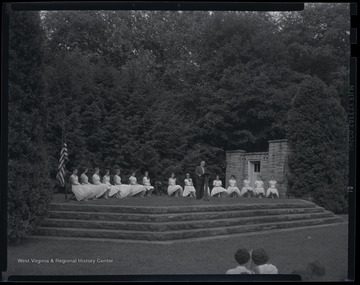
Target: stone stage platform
{"x": 163, "y": 218}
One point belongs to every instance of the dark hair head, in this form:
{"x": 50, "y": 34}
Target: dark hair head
{"x": 242, "y": 256}
{"x": 232, "y": 176}
{"x": 259, "y": 256}
{"x": 316, "y": 268}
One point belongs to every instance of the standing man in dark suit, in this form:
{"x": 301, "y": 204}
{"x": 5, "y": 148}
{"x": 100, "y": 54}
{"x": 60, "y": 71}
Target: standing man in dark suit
{"x": 199, "y": 171}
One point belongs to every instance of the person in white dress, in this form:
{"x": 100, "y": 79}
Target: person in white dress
{"x": 247, "y": 190}
{"x": 85, "y": 181}
{"x": 124, "y": 188}
{"x": 103, "y": 189}
{"x": 259, "y": 187}
{"x": 114, "y": 189}
{"x": 272, "y": 192}
{"x": 147, "y": 184}
{"x": 81, "y": 192}
{"x": 218, "y": 189}
{"x": 189, "y": 188}
{"x": 136, "y": 189}
{"x": 232, "y": 188}
{"x": 173, "y": 188}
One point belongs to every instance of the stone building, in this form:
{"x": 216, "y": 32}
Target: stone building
{"x": 270, "y": 165}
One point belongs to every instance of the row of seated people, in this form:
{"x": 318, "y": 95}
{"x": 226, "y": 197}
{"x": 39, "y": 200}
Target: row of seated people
{"x": 85, "y": 190}
{"x": 232, "y": 189}
{"x": 247, "y": 190}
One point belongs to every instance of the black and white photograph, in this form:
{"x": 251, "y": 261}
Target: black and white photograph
{"x": 179, "y": 142}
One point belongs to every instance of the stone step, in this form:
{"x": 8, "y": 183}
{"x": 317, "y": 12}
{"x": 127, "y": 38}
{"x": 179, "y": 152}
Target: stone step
{"x": 181, "y": 234}
{"x": 179, "y": 225}
{"x": 78, "y": 207}
{"x": 76, "y": 215}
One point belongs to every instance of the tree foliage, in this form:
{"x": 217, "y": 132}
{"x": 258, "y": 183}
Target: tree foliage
{"x": 28, "y": 164}
{"x": 319, "y": 158}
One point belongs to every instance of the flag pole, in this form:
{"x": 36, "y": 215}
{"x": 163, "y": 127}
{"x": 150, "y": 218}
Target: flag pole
{"x": 64, "y": 141}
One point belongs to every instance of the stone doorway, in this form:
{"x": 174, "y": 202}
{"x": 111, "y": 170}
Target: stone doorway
{"x": 254, "y": 170}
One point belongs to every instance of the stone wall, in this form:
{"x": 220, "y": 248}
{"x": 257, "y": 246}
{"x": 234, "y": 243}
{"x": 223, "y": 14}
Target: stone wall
{"x": 234, "y": 164}
{"x": 272, "y": 164}
{"x": 278, "y": 152}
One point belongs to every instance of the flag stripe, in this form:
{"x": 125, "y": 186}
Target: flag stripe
{"x": 62, "y": 161}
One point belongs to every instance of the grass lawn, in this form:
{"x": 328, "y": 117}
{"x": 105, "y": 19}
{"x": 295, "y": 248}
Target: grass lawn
{"x": 288, "y": 250}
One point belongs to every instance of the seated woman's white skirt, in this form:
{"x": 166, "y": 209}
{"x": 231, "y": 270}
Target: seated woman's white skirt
{"x": 259, "y": 191}
{"x": 272, "y": 191}
{"x": 217, "y": 189}
{"x": 149, "y": 188}
{"x": 135, "y": 189}
{"x": 98, "y": 189}
{"x": 188, "y": 190}
{"x": 125, "y": 190}
{"x": 232, "y": 189}
{"x": 114, "y": 189}
{"x": 245, "y": 189}
{"x": 82, "y": 192}
{"x": 173, "y": 188}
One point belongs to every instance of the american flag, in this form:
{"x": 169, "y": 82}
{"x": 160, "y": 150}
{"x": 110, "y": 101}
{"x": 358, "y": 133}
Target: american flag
{"x": 61, "y": 168}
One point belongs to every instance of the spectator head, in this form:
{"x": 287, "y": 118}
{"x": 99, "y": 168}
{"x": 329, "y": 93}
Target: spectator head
{"x": 97, "y": 170}
{"x": 187, "y": 175}
{"x": 232, "y": 177}
{"x": 242, "y": 256}
{"x": 202, "y": 163}
{"x": 259, "y": 256}
{"x": 315, "y": 270}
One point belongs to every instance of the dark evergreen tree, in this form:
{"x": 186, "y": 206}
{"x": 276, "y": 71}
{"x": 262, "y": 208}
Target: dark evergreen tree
{"x": 28, "y": 167}
{"x": 318, "y": 135}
